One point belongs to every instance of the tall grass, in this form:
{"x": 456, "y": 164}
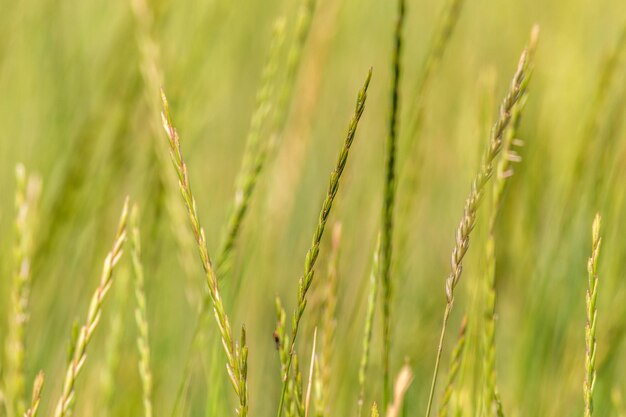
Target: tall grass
{"x": 467, "y": 223}
{"x": 236, "y": 354}
{"x": 28, "y": 188}
{"x": 592, "y": 317}
{"x": 81, "y": 87}
{"x": 386, "y": 245}
{"x": 79, "y": 349}
{"x": 311, "y": 257}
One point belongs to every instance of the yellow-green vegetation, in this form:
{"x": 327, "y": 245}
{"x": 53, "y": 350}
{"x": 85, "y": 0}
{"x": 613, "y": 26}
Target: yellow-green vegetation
{"x": 291, "y": 244}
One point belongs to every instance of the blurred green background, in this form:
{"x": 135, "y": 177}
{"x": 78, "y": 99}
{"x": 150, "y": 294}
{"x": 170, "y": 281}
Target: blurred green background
{"x": 75, "y": 109}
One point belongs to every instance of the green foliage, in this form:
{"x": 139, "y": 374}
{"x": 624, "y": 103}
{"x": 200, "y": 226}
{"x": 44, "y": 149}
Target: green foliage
{"x": 260, "y": 93}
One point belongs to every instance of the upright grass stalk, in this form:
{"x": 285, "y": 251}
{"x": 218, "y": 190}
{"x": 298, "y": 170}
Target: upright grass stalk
{"x": 36, "y": 396}
{"x": 306, "y": 11}
{"x": 311, "y": 257}
{"x": 27, "y": 190}
{"x": 592, "y": 316}
{"x": 504, "y": 171}
{"x": 66, "y": 401}
{"x": 256, "y": 150}
{"x": 369, "y": 325}
{"x": 141, "y": 315}
{"x": 456, "y": 359}
{"x": 389, "y": 200}
{"x": 466, "y": 225}
{"x": 234, "y": 361}
{"x": 441, "y": 38}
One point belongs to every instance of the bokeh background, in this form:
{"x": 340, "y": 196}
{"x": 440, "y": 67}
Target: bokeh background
{"x": 75, "y": 108}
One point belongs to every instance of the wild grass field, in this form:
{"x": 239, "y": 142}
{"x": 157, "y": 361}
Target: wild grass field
{"x": 313, "y": 208}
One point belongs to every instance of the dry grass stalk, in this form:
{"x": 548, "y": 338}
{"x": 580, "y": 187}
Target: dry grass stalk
{"x": 235, "y": 367}
{"x": 66, "y": 401}
{"x": 466, "y": 225}
{"x": 36, "y": 397}
{"x": 403, "y": 381}
{"x": 504, "y": 171}
{"x": 27, "y": 191}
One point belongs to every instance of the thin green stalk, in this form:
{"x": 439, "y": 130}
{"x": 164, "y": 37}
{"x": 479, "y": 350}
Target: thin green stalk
{"x": 369, "y": 325}
{"x": 389, "y": 201}
{"x": 466, "y": 225}
{"x": 311, "y": 257}
{"x": 234, "y": 365}
{"x": 36, "y": 397}
{"x": 592, "y": 317}
{"x": 141, "y": 315}
{"x": 27, "y": 192}
{"x": 455, "y": 366}
{"x": 443, "y": 33}
{"x": 66, "y": 401}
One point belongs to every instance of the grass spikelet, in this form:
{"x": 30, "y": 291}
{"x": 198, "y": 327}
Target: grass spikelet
{"x": 141, "y": 314}
{"x": 27, "y": 190}
{"x": 311, "y": 257}
{"x": 66, "y": 401}
{"x": 329, "y": 324}
{"x": 403, "y": 381}
{"x": 592, "y": 316}
{"x": 36, "y": 397}
{"x": 369, "y": 324}
{"x": 233, "y": 364}
{"x": 389, "y": 199}
{"x": 504, "y": 171}
{"x": 455, "y": 366}
{"x": 466, "y": 225}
